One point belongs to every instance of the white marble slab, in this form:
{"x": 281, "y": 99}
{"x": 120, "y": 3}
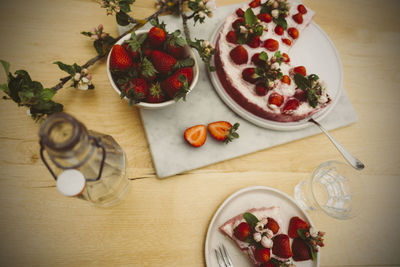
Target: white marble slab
{"x": 164, "y": 128}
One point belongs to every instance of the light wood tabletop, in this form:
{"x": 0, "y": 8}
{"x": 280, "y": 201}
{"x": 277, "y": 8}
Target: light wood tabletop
{"x": 164, "y": 222}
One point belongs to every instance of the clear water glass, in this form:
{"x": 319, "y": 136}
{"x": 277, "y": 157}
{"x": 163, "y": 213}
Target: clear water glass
{"x": 335, "y": 188}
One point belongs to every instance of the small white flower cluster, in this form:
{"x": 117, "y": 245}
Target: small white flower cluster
{"x": 208, "y": 47}
{"x": 275, "y": 5}
{"x": 263, "y": 235}
{"x": 98, "y": 33}
{"x": 111, "y": 6}
{"x": 206, "y": 8}
{"x": 83, "y": 80}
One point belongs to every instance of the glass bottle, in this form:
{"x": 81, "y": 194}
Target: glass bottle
{"x": 85, "y": 163}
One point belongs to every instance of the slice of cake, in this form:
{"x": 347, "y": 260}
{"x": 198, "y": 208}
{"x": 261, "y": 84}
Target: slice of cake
{"x": 253, "y": 61}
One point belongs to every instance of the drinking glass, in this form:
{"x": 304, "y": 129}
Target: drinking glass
{"x": 335, "y": 188}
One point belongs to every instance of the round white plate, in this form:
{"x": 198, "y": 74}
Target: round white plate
{"x": 318, "y": 54}
{"x": 241, "y": 201}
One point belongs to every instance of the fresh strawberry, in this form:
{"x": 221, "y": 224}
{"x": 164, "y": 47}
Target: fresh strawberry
{"x": 223, "y": 131}
{"x": 300, "y": 95}
{"x": 162, "y": 62}
{"x": 286, "y": 41}
{"x": 296, "y": 223}
{"x": 293, "y": 32}
{"x": 196, "y": 135}
{"x": 298, "y": 18}
{"x": 281, "y": 246}
{"x": 237, "y": 23}
{"x": 231, "y": 37}
{"x": 239, "y": 55}
{"x": 188, "y": 72}
{"x": 261, "y": 90}
{"x": 136, "y": 89}
{"x": 302, "y": 9}
{"x": 254, "y": 41}
{"x": 255, "y": 3}
{"x": 264, "y": 17}
{"x": 134, "y": 54}
{"x": 271, "y": 45}
{"x": 119, "y": 58}
{"x": 240, "y": 12}
{"x": 286, "y": 79}
{"x": 242, "y": 231}
{"x": 176, "y": 51}
{"x": 272, "y": 225}
{"x": 249, "y": 75}
{"x": 275, "y": 99}
{"x": 290, "y": 106}
{"x": 156, "y": 37}
{"x": 301, "y": 251}
{"x": 176, "y": 86}
{"x": 300, "y": 70}
{"x": 285, "y": 58}
{"x": 262, "y": 255}
{"x": 279, "y": 30}
{"x": 147, "y": 51}
{"x": 155, "y": 94}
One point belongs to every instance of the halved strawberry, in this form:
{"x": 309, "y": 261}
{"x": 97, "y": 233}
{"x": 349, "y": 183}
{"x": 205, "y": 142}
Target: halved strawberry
{"x": 242, "y": 231}
{"x": 239, "y": 55}
{"x": 275, "y": 99}
{"x": 119, "y": 58}
{"x": 285, "y": 58}
{"x": 286, "y": 41}
{"x": 298, "y": 18}
{"x": 272, "y": 225}
{"x": 279, "y": 30}
{"x": 240, "y": 12}
{"x": 162, "y": 62}
{"x": 264, "y": 17}
{"x": 156, "y": 37}
{"x": 296, "y": 223}
{"x": 286, "y": 79}
{"x": 196, "y": 135}
{"x": 255, "y": 3}
{"x": 290, "y": 106}
{"x": 231, "y": 37}
{"x": 301, "y": 251}
{"x": 271, "y": 45}
{"x": 223, "y": 131}
{"x": 155, "y": 94}
{"x": 262, "y": 255}
{"x": 281, "y": 246}
{"x": 254, "y": 41}
{"x": 293, "y": 32}
{"x": 136, "y": 89}
{"x": 261, "y": 90}
{"x": 302, "y": 9}
{"x": 300, "y": 70}
{"x": 249, "y": 75}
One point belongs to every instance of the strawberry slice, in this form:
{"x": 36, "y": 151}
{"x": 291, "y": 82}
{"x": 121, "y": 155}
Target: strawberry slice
{"x": 196, "y": 135}
{"x": 242, "y": 231}
{"x": 301, "y": 251}
{"x": 275, "y": 99}
{"x": 286, "y": 79}
{"x": 290, "y": 106}
{"x": 298, "y": 18}
{"x": 223, "y": 131}
{"x": 262, "y": 255}
{"x": 285, "y": 57}
{"x": 239, "y": 55}
{"x": 293, "y": 32}
{"x": 300, "y": 70}
{"x": 271, "y": 45}
{"x": 156, "y": 37}
{"x": 254, "y": 41}
{"x": 281, "y": 246}
{"x": 162, "y": 62}
{"x": 287, "y": 41}
{"x": 279, "y": 30}
{"x": 249, "y": 75}
{"x": 231, "y": 37}
{"x": 261, "y": 90}
{"x": 264, "y": 17}
{"x": 255, "y": 3}
{"x": 272, "y": 225}
{"x": 119, "y": 58}
{"x": 240, "y": 12}
{"x": 302, "y": 9}
{"x": 296, "y": 223}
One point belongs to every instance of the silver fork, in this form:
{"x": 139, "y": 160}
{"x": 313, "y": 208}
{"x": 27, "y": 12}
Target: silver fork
{"x": 223, "y": 258}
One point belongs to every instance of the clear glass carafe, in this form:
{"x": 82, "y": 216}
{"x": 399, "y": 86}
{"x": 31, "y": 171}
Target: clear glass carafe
{"x": 77, "y": 153}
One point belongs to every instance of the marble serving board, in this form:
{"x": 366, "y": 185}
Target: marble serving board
{"x": 164, "y": 128}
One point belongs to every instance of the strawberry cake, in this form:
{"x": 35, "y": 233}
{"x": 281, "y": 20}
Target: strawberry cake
{"x": 253, "y": 64}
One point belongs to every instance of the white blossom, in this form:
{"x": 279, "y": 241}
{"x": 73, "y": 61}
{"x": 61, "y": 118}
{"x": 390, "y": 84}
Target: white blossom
{"x": 77, "y": 76}
{"x": 211, "y": 5}
{"x": 269, "y": 233}
{"x": 266, "y": 242}
{"x": 275, "y": 13}
{"x": 313, "y": 232}
{"x": 202, "y": 14}
{"x": 259, "y": 227}
{"x": 257, "y": 237}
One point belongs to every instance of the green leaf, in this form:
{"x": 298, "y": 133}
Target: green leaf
{"x": 313, "y": 77}
{"x": 301, "y": 81}
{"x": 281, "y": 21}
{"x": 4, "y": 88}
{"x": 67, "y": 68}
{"x": 250, "y": 219}
{"x": 249, "y": 17}
{"x": 263, "y": 56}
{"x": 125, "y": 6}
{"x": 312, "y": 98}
{"x": 98, "y": 45}
{"x": 147, "y": 68}
{"x": 89, "y": 34}
{"x": 47, "y": 94}
{"x": 122, "y": 18}
{"x": 6, "y": 66}
{"x": 183, "y": 90}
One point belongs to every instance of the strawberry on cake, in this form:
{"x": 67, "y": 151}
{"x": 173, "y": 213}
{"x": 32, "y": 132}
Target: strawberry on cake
{"x": 253, "y": 64}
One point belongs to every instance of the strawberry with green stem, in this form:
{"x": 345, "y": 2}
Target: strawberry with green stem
{"x": 223, "y": 131}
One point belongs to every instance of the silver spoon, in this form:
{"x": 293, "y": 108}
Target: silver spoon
{"x": 354, "y": 162}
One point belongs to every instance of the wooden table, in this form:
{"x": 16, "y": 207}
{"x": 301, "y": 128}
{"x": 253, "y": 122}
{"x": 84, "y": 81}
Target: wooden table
{"x": 164, "y": 222}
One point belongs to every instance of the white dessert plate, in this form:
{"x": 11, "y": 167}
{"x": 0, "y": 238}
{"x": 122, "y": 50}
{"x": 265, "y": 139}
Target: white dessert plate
{"x": 241, "y": 201}
{"x": 318, "y": 54}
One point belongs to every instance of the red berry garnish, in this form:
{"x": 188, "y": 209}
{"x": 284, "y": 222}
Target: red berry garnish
{"x": 248, "y": 75}
{"x": 286, "y": 79}
{"x": 264, "y": 17}
{"x": 240, "y": 12}
{"x": 275, "y": 99}
{"x": 285, "y": 58}
{"x": 279, "y": 30}
{"x": 271, "y": 45}
{"x": 290, "y": 106}
{"x": 239, "y": 55}
{"x": 300, "y": 70}
{"x": 237, "y": 23}
{"x": 261, "y": 90}
{"x": 287, "y": 41}
{"x": 298, "y": 18}
{"x": 302, "y": 9}
{"x": 293, "y": 32}
{"x": 300, "y": 95}
{"x": 256, "y": 60}
{"x": 262, "y": 255}
{"x": 255, "y": 3}
{"x": 242, "y": 231}
{"x": 231, "y": 37}
{"x": 254, "y": 41}
{"x": 272, "y": 225}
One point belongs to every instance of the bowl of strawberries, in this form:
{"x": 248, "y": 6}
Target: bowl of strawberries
{"x": 152, "y": 69}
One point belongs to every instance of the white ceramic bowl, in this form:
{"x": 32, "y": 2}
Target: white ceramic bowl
{"x": 146, "y": 105}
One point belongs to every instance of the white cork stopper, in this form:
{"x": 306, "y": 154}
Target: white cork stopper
{"x": 71, "y": 183}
